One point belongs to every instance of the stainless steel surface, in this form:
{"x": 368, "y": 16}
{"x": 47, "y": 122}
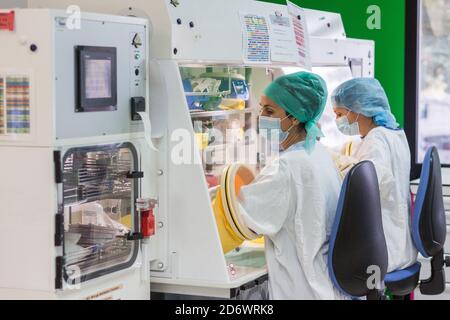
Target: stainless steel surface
{"x": 90, "y": 176}
{"x": 99, "y": 206}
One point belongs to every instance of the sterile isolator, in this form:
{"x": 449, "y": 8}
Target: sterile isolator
{"x": 208, "y": 66}
{"x": 76, "y": 200}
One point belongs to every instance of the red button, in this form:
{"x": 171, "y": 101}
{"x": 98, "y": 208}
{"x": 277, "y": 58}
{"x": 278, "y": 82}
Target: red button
{"x": 7, "y": 21}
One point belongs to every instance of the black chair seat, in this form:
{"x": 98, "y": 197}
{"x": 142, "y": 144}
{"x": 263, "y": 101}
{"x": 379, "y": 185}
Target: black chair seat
{"x": 403, "y": 282}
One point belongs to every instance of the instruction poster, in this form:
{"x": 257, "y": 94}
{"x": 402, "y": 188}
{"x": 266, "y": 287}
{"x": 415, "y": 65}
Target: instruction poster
{"x": 298, "y": 18}
{"x": 14, "y": 104}
{"x": 256, "y": 38}
{"x": 283, "y": 46}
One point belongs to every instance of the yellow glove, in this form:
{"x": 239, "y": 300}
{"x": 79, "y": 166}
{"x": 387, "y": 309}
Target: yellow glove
{"x": 344, "y": 161}
{"x": 228, "y": 237}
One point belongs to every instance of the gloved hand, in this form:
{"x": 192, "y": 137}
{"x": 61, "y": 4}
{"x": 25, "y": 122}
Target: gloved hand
{"x": 228, "y": 237}
{"x": 343, "y": 162}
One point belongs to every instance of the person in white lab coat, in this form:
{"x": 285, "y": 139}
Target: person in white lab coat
{"x": 362, "y": 108}
{"x": 293, "y": 200}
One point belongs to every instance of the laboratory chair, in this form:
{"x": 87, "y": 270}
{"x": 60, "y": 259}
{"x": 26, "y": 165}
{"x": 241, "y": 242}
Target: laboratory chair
{"x": 357, "y": 257}
{"x": 429, "y": 232}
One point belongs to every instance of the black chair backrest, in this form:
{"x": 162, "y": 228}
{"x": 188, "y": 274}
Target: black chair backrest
{"x": 429, "y": 222}
{"x": 357, "y": 241}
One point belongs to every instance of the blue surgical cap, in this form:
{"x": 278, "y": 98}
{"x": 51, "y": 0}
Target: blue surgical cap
{"x": 365, "y": 96}
{"x": 303, "y": 95}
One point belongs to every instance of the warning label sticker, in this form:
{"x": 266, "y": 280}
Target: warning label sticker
{"x": 7, "y": 21}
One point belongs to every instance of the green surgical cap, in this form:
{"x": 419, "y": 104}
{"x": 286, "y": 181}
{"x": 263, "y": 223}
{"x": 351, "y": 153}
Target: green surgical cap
{"x": 304, "y": 96}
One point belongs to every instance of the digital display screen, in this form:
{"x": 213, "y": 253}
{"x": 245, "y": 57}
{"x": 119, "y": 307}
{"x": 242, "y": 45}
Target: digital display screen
{"x": 98, "y": 79}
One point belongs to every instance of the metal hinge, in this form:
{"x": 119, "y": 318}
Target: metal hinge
{"x": 135, "y": 236}
{"x": 135, "y": 175}
{"x": 58, "y": 166}
{"x": 59, "y": 229}
{"x": 59, "y": 272}
{"x": 59, "y": 217}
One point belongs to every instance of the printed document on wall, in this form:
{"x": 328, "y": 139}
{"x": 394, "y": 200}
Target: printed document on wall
{"x": 283, "y": 46}
{"x": 15, "y": 106}
{"x": 298, "y": 18}
{"x": 256, "y": 38}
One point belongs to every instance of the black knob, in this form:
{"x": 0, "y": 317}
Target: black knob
{"x": 191, "y": 24}
{"x": 447, "y": 261}
{"x": 179, "y": 21}
{"x": 33, "y": 47}
{"x": 299, "y": 17}
{"x": 175, "y": 51}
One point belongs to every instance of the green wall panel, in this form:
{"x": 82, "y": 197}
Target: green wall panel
{"x": 390, "y": 39}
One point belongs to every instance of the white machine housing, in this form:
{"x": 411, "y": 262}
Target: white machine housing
{"x": 41, "y": 49}
{"x": 186, "y": 253}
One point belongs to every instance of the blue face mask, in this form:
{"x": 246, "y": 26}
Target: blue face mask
{"x": 346, "y": 128}
{"x": 272, "y": 126}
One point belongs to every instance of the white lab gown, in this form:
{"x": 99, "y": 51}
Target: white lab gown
{"x": 295, "y": 208}
{"x": 389, "y": 151}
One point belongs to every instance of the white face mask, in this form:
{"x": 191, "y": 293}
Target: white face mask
{"x": 346, "y": 128}
{"x": 273, "y": 126}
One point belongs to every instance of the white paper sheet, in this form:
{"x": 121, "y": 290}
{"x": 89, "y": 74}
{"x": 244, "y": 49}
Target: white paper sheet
{"x": 298, "y": 17}
{"x": 147, "y": 130}
{"x": 256, "y": 38}
{"x": 15, "y": 104}
{"x": 283, "y": 46}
